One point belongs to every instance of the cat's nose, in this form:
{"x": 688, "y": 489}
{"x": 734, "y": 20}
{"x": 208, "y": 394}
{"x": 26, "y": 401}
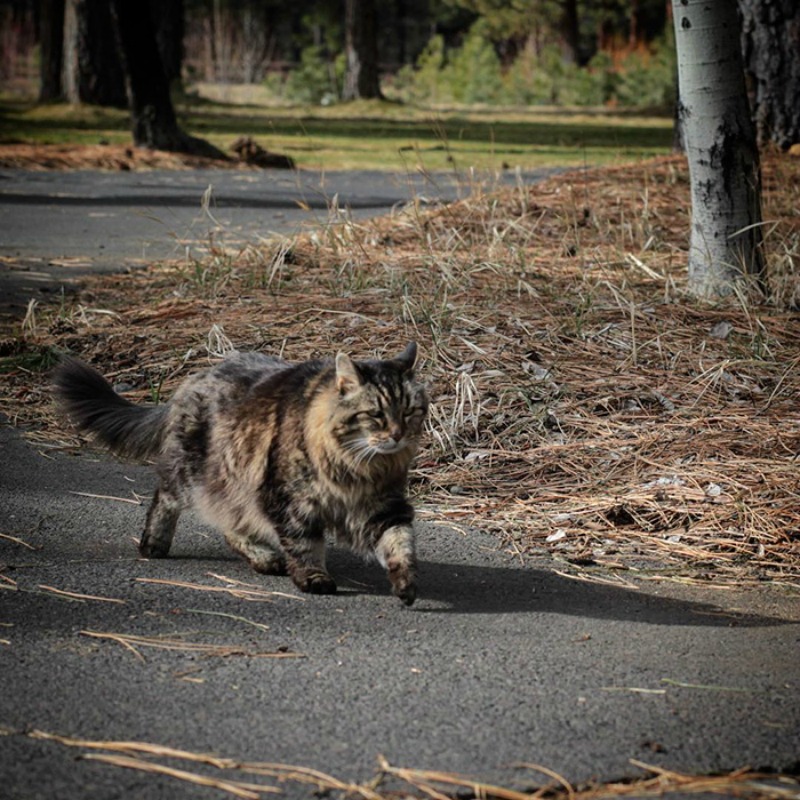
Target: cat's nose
{"x": 395, "y": 432}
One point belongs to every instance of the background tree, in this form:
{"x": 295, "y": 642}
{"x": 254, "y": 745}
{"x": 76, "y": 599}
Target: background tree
{"x": 361, "y": 78}
{"x": 570, "y": 31}
{"x": 168, "y": 19}
{"x": 51, "y": 50}
{"x": 153, "y": 120}
{"x": 92, "y": 68}
{"x": 771, "y": 48}
{"x": 719, "y": 137}
{"x": 578, "y": 28}
{"x": 511, "y": 25}
{"x": 576, "y": 52}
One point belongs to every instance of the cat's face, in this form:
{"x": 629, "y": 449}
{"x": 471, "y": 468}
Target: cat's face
{"x": 380, "y": 408}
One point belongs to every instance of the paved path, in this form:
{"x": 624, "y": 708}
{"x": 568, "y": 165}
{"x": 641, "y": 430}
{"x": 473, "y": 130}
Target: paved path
{"x": 497, "y": 663}
{"x": 58, "y": 226}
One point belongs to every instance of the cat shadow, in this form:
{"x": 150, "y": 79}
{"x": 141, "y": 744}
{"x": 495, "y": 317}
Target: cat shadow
{"x": 491, "y": 588}
{"x": 446, "y": 588}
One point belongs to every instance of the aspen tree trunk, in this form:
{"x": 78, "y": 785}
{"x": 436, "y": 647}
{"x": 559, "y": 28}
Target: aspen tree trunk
{"x": 719, "y": 137}
{"x": 771, "y": 47}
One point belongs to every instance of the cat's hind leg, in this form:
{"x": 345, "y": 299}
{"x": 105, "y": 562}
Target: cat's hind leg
{"x": 305, "y": 561}
{"x": 159, "y": 529}
{"x": 263, "y": 555}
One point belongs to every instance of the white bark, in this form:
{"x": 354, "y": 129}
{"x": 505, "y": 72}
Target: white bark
{"x": 725, "y": 241}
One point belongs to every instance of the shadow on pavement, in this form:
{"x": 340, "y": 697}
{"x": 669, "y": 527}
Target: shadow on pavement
{"x": 479, "y": 589}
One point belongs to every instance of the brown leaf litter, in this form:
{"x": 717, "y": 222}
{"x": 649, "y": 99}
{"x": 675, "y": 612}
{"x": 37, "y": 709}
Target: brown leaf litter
{"x": 583, "y": 404}
{"x": 245, "y": 153}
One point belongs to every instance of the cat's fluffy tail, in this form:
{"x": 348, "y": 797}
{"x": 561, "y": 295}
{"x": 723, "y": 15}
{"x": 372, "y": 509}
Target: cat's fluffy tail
{"x": 128, "y": 430}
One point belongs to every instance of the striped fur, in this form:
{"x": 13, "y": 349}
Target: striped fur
{"x": 276, "y": 455}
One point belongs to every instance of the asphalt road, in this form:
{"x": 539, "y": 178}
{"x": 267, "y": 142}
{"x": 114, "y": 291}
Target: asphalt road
{"x": 496, "y": 664}
{"x": 56, "y": 227}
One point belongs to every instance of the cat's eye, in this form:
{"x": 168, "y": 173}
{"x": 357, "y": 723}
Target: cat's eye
{"x": 375, "y": 414}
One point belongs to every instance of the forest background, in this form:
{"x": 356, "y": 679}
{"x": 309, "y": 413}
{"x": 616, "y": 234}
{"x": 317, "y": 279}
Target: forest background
{"x": 617, "y": 53}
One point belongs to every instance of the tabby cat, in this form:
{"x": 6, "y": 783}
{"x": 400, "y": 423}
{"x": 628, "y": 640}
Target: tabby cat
{"x": 276, "y": 455}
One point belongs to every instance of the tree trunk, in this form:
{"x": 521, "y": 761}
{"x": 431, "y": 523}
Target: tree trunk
{"x": 570, "y": 31}
{"x": 51, "y": 39}
{"x": 633, "y": 24}
{"x": 361, "y": 51}
{"x": 92, "y": 68}
{"x": 153, "y": 121}
{"x": 771, "y": 48}
{"x": 402, "y": 32}
{"x": 168, "y": 18}
{"x": 719, "y": 137}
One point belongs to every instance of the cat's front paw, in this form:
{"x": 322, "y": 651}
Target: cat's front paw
{"x": 149, "y": 548}
{"x": 317, "y": 582}
{"x": 407, "y": 593}
{"x": 404, "y": 582}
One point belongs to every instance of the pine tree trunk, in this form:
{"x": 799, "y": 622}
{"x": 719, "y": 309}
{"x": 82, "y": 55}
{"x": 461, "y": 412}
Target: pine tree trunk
{"x": 771, "y": 48}
{"x": 51, "y": 61}
{"x": 361, "y": 51}
{"x": 570, "y": 30}
{"x": 719, "y": 137}
{"x": 92, "y": 68}
{"x": 168, "y": 18}
{"x": 153, "y": 121}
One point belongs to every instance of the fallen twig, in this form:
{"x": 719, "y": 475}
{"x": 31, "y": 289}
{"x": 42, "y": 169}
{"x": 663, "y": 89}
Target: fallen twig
{"x": 79, "y": 595}
{"x": 243, "y": 593}
{"x": 132, "y": 642}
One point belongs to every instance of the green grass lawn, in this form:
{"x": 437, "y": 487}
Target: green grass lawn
{"x": 372, "y": 135}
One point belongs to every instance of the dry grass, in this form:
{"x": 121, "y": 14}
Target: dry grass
{"x": 583, "y": 404}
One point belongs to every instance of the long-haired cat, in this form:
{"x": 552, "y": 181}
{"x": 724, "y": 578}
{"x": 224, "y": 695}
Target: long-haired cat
{"x": 276, "y": 455}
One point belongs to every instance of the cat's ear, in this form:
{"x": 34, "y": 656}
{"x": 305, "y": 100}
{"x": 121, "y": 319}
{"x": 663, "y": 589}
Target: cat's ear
{"x": 407, "y": 358}
{"x": 347, "y": 375}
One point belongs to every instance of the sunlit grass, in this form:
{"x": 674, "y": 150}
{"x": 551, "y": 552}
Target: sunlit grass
{"x": 372, "y": 135}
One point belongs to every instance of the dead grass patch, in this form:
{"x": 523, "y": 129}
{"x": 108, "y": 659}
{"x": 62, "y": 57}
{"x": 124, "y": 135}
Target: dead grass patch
{"x": 583, "y": 404}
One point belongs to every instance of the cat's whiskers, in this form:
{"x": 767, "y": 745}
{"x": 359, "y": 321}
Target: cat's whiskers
{"x": 361, "y": 450}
